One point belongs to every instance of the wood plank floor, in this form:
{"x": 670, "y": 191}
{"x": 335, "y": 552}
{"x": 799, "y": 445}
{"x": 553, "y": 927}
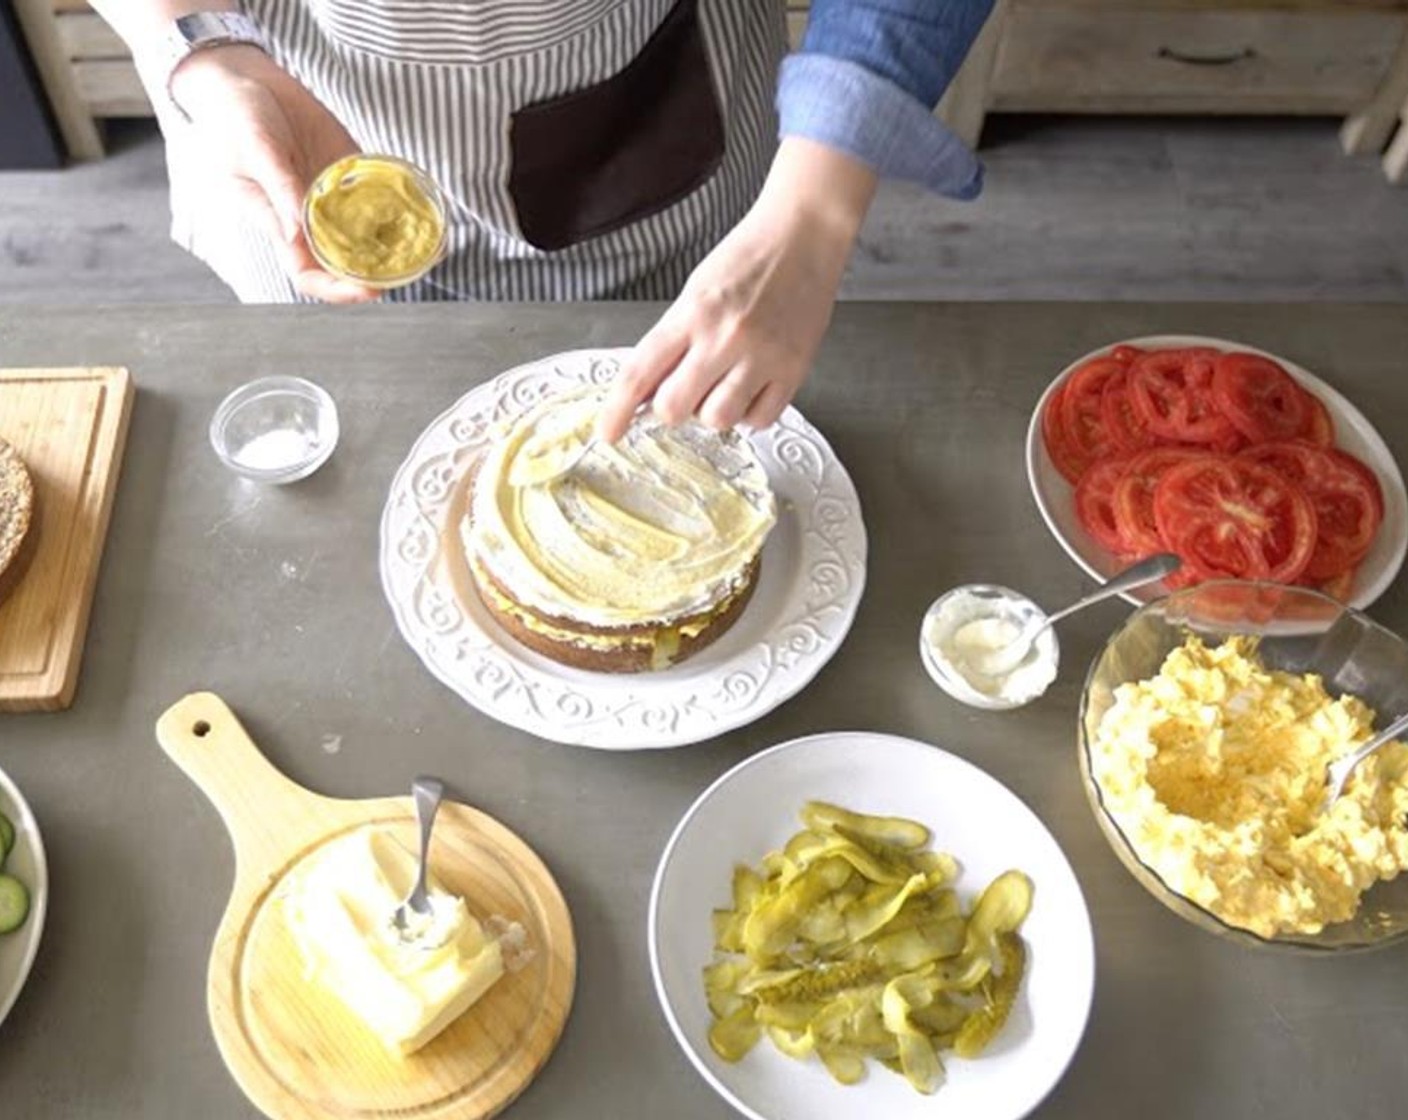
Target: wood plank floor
{"x": 1075, "y": 208}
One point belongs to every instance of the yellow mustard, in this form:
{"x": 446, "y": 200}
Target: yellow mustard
{"x": 376, "y": 219}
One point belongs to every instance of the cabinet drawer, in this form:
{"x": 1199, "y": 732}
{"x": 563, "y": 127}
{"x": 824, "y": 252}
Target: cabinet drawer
{"x": 1078, "y": 58}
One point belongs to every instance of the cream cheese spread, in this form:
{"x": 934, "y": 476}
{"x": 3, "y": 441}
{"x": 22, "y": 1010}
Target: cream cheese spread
{"x": 659, "y": 526}
{"x": 965, "y": 640}
{"x": 406, "y": 989}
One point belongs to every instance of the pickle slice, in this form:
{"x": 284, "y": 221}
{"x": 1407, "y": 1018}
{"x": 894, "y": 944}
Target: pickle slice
{"x": 747, "y": 886}
{"x": 846, "y": 1066}
{"x": 943, "y": 1017}
{"x": 734, "y": 1035}
{"x": 1001, "y": 989}
{"x": 919, "y": 1061}
{"x": 1001, "y": 908}
{"x": 919, "y": 944}
{"x": 874, "y": 909}
{"x": 795, "y": 1044}
{"x": 788, "y": 1016}
{"x": 770, "y": 927}
{"x": 817, "y": 983}
{"x": 722, "y": 981}
{"x": 820, "y": 816}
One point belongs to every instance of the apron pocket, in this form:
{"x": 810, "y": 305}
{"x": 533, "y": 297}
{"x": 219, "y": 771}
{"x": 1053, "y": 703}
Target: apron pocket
{"x": 602, "y": 157}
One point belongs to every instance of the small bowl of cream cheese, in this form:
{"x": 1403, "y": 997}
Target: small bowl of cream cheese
{"x": 964, "y": 644}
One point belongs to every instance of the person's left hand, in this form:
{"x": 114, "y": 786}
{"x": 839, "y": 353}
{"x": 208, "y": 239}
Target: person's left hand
{"x": 739, "y": 341}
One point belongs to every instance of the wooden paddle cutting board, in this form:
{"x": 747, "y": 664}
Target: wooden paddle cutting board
{"x": 295, "y": 1049}
{"x": 69, "y": 426}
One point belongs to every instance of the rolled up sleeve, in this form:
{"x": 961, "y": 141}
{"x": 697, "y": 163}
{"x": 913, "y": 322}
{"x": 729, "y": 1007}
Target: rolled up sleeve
{"x": 867, "y": 78}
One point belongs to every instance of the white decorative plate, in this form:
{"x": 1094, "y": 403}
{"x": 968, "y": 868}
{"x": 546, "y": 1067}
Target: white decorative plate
{"x": 753, "y": 809}
{"x": 27, "y": 864}
{"x": 813, "y": 572}
{"x": 1055, "y": 497}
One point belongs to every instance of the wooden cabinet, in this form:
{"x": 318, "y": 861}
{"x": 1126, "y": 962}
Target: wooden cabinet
{"x": 1340, "y": 57}
{"x": 1292, "y": 57}
{"x": 86, "y": 69}
{"x": 1145, "y": 59}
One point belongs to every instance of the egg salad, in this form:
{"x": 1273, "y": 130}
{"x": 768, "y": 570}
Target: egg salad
{"x": 1215, "y": 771}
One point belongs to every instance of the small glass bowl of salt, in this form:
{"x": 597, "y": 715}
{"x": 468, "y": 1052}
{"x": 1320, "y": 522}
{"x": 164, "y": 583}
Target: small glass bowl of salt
{"x": 275, "y": 430}
{"x": 964, "y": 644}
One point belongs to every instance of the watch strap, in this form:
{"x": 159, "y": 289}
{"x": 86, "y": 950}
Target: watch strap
{"x": 198, "y": 31}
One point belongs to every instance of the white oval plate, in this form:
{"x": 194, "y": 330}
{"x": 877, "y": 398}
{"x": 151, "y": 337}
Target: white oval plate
{"x": 813, "y": 573}
{"x": 1055, "y": 497}
{"x": 753, "y": 809}
{"x": 27, "y": 864}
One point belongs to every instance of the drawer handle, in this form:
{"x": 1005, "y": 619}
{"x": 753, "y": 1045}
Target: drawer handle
{"x": 1207, "y": 59}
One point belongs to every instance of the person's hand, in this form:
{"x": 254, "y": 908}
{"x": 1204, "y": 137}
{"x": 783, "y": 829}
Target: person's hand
{"x": 263, "y": 140}
{"x": 739, "y": 341}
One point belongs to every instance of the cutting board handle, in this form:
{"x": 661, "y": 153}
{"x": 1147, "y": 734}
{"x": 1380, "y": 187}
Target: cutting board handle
{"x": 267, "y": 814}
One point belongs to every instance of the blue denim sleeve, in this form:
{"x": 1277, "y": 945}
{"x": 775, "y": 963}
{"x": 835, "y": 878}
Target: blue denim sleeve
{"x": 867, "y": 77}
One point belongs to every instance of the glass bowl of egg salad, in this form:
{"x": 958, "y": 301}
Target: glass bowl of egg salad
{"x": 1206, "y": 726}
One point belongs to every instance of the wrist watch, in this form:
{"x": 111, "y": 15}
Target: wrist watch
{"x": 196, "y": 31}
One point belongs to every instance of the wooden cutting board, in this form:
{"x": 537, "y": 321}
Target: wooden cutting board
{"x": 69, "y": 426}
{"x": 294, "y": 1049}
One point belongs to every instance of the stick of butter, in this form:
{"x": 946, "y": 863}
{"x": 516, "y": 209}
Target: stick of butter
{"x": 338, "y": 908}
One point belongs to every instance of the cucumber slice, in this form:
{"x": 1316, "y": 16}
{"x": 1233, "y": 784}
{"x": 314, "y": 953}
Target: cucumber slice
{"x": 14, "y": 904}
{"x": 7, "y": 837}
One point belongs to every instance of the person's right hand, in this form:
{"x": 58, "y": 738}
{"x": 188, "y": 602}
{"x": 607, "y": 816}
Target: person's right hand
{"x": 263, "y": 138}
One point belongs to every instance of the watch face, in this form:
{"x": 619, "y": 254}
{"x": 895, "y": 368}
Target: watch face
{"x": 203, "y": 28}
{"x": 194, "y": 27}
{"x": 189, "y": 33}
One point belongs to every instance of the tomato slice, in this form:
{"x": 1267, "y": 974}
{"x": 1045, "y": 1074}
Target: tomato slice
{"x": 1319, "y": 427}
{"x": 1063, "y": 455}
{"x": 1134, "y": 496}
{"x": 1345, "y": 494}
{"x": 1262, "y": 400}
{"x": 1095, "y": 506}
{"x": 1172, "y": 391}
{"x": 1081, "y": 422}
{"x": 1124, "y": 424}
{"x": 1228, "y": 516}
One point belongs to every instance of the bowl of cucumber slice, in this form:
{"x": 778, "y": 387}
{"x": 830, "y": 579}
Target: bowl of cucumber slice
{"x": 24, "y": 883}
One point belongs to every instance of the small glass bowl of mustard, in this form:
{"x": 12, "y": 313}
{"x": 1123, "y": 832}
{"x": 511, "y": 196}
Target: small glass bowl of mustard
{"x": 376, "y": 219}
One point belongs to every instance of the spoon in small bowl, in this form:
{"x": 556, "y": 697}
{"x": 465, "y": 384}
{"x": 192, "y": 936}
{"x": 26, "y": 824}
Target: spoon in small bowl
{"x": 1338, "y": 772}
{"x": 1002, "y": 661}
{"x": 427, "y": 793}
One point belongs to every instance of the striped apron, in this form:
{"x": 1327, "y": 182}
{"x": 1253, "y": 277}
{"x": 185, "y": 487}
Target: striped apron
{"x": 463, "y": 88}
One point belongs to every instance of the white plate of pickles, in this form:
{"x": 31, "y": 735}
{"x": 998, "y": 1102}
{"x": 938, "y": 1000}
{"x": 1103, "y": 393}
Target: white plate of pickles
{"x": 855, "y": 924}
{"x": 24, "y": 881}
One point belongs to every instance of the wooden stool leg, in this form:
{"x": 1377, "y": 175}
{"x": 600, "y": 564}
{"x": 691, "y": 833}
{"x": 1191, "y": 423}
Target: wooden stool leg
{"x": 1367, "y": 131}
{"x": 76, "y": 124}
{"x": 1396, "y": 158}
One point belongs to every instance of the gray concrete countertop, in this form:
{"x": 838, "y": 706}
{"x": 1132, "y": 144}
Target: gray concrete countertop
{"x": 272, "y": 598}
